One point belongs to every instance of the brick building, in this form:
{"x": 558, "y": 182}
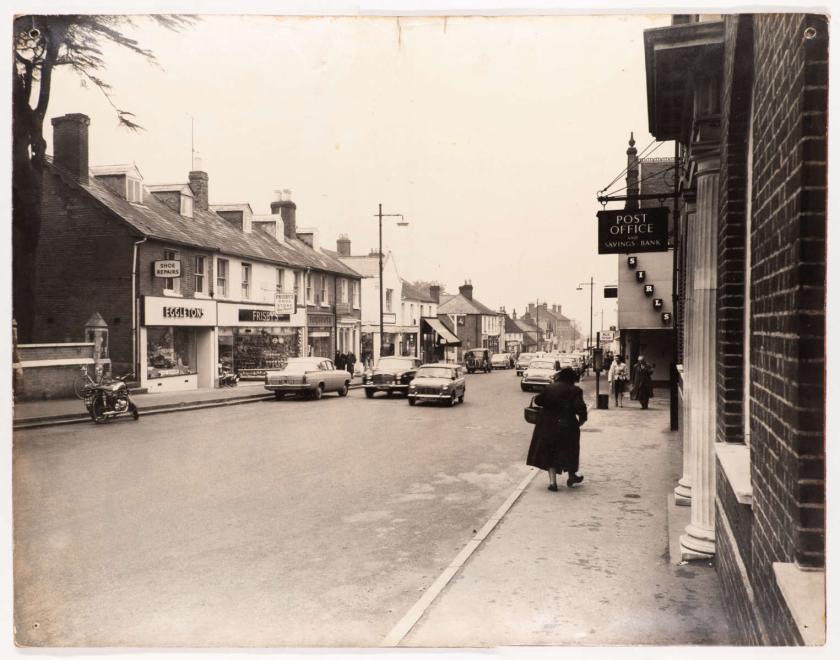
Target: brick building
{"x": 183, "y": 289}
{"x": 475, "y": 324}
{"x": 745, "y": 96}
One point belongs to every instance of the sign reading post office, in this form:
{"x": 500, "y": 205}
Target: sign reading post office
{"x": 640, "y": 230}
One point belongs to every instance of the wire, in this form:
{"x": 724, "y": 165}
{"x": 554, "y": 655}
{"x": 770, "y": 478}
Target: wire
{"x": 650, "y": 176}
{"x": 628, "y": 165}
{"x": 638, "y": 158}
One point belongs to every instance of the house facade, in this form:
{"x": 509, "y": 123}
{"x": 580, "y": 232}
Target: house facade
{"x": 475, "y": 324}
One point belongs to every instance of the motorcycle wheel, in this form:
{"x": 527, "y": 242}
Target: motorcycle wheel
{"x": 97, "y": 411}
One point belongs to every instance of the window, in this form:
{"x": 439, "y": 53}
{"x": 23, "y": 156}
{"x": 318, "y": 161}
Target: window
{"x": 171, "y": 352}
{"x": 222, "y": 277}
{"x": 171, "y": 284}
{"x": 281, "y": 277}
{"x": 411, "y": 313}
{"x": 186, "y": 206}
{"x": 389, "y": 296}
{"x": 246, "y": 281}
{"x": 298, "y": 287}
{"x": 309, "y": 288}
{"x": 342, "y": 290}
{"x": 133, "y": 190}
{"x": 199, "y": 274}
{"x": 324, "y": 299}
{"x": 356, "y": 290}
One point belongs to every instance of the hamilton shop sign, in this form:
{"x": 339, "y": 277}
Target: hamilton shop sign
{"x": 642, "y": 230}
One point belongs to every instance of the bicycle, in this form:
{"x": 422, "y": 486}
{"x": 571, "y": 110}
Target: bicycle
{"x": 83, "y": 381}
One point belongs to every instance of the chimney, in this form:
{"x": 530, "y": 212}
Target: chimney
{"x": 632, "y": 202}
{"x": 374, "y": 252}
{"x": 466, "y": 290}
{"x": 198, "y": 185}
{"x": 343, "y": 245}
{"x": 70, "y": 144}
{"x": 287, "y": 209}
{"x": 514, "y": 315}
{"x": 434, "y": 292}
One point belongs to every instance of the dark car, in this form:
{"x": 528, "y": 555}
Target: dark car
{"x": 391, "y": 374}
{"x": 478, "y": 359}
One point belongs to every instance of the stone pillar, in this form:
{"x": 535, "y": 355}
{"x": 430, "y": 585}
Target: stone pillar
{"x": 699, "y": 539}
{"x": 682, "y": 493}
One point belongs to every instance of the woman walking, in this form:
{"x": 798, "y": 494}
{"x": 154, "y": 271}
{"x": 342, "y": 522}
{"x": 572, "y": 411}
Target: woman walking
{"x": 555, "y": 444}
{"x": 617, "y": 378}
{"x": 644, "y": 382}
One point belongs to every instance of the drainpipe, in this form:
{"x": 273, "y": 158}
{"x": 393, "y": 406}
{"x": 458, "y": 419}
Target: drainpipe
{"x": 135, "y": 349}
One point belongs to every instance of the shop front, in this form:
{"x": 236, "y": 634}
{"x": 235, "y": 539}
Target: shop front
{"x": 320, "y": 335}
{"x": 253, "y": 338}
{"x": 176, "y": 343}
{"x": 435, "y": 339}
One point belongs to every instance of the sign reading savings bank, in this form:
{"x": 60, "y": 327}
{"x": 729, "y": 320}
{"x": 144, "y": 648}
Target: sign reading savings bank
{"x": 641, "y": 230}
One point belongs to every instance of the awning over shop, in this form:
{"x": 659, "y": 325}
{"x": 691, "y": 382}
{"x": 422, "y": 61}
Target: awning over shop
{"x": 444, "y": 332}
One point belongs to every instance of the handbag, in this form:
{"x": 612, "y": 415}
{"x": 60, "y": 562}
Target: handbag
{"x": 532, "y": 412}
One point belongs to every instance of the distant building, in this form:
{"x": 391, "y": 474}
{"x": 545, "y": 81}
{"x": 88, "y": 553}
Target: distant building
{"x": 476, "y": 325}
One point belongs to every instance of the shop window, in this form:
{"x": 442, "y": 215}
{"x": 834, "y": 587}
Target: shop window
{"x": 171, "y": 284}
{"x": 200, "y": 264}
{"x": 250, "y": 351}
{"x": 222, "y": 278}
{"x": 281, "y": 277}
{"x": 246, "y": 281}
{"x": 171, "y": 352}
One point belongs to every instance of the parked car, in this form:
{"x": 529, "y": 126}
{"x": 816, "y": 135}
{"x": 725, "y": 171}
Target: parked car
{"x": 391, "y": 374}
{"x": 500, "y": 361}
{"x": 438, "y": 382}
{"x": 522, "y": 362}
{"x": 307, "y": 376}
{"x": 539, "y": 374}
{"x": 478, "y": 359}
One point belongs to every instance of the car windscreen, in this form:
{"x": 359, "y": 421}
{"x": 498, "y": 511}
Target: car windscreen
{"x": 435, "y": 372}
{"x": 394, "y": 363}
{"x": 541, "y": 364}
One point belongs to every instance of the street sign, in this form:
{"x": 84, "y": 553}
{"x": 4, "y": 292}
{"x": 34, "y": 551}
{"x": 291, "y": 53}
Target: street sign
{"x": 642, "y": 230}
{"x": 606, "y": 337}
{"x": 167, "y": 268}
{"x": 284, "y": 303}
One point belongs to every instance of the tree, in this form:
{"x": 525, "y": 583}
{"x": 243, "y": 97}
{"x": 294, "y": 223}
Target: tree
{"x": 41, "y": 44}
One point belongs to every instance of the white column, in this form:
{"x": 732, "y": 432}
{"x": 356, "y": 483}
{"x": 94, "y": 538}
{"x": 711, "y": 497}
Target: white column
{"x": 682, "y": 493}
{"x": 699, "y": 538}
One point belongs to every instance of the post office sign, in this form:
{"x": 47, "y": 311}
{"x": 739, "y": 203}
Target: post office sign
{"x": 167, "y": 268}
{"x": 641, "y": 230}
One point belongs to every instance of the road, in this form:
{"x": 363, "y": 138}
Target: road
{"x": 293, "y": 523}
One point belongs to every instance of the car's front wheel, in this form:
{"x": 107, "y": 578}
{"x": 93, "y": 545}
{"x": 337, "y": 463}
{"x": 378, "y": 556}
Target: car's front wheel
{"x": 368, "y": 393}
{"x": 461, "y": 398}
{"x": 524, "y": 388}
{"x": 318, "y": 392}
{"x": 412, "y": 401}
{"x": 344, "y": 390}
{"x": 278, "y": 396}
{"x": 453, "y": 399}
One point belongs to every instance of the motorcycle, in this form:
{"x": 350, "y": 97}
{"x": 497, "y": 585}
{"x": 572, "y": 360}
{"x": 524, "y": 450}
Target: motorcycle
{"x": 228, "y": 378}
{"x": 106, "y": 400}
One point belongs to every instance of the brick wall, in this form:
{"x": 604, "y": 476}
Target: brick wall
{"x": 83, "y": 266}
{"x": 149, "y": 285}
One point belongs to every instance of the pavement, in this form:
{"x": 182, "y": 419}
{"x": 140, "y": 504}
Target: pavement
{"x": 586, "y": 566}
{"x": 52, "y": 412}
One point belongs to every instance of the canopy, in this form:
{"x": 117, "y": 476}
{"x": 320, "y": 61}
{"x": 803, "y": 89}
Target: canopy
{"x": 437, "y": 325}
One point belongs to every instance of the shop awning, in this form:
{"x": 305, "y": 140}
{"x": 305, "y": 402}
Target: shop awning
{"x": 437, "y": 325}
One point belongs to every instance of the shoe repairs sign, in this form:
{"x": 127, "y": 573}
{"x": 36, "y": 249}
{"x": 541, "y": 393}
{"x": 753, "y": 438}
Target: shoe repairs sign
{"x": 640, "y": 230}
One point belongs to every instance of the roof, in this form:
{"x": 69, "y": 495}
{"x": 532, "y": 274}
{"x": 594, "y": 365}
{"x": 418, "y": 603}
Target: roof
{"x": 526, "y": 326}
{"x": 366, "y": 266}
{"x": 510, "y": 325}
{"x": 232, "y": 207}
{"x": 182, "y": 188}
{"x": 460, "y": 304}
{"x": 154, "y": 219}
{"x": 411, "y": 292}
{"x": 116, "y": 170}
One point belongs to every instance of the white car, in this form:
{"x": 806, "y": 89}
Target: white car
{"x": 309, "y": 376}
{"x": 500, "y": 360}
{"x": 539, "y": 374}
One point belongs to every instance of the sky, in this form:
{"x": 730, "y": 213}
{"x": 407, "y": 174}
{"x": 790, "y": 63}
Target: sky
{"x": 491, "y": 135}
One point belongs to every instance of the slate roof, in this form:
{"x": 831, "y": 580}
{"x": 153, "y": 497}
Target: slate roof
{"x": 411, "y": 292}
{"x": 511, "y": 326}
{"x": 205, "y": 229}
{"x": 460, "y": 304}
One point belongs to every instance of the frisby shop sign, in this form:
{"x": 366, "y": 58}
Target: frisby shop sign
{"x": 641, "y": 230}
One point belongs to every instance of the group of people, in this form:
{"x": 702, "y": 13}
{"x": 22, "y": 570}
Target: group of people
{"x": 346, "y": 361}
{"x": 640, "y": 378}
{"x": 555, "y": 443}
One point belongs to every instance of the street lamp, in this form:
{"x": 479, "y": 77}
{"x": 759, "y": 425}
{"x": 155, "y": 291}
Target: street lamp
{"x": 591, "y": 285}
{"x": 401, "y": 223}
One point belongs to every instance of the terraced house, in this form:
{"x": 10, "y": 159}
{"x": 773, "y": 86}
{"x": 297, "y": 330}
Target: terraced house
{"x": 184, "y": 288}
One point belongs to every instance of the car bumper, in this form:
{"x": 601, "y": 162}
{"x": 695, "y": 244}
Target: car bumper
{"x": 535, "y": 383}
{"x": 383, "y": 387}
{"x": 431, "y": 397}
{"x": 289, "y": 387}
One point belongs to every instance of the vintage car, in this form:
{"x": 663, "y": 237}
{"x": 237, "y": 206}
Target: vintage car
{"x": 477, "y": 359}
{"x": 500, "y": 361}
{"x": 522, "y": 362}
{"x": 391, "y": 374}
{"x": 438, "y": 382}
{"x": 307, "y": 376}
{"x": 540, "y": 374}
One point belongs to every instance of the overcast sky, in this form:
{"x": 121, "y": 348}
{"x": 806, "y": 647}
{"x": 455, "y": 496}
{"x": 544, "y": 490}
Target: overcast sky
{"x": 491, "y": 135}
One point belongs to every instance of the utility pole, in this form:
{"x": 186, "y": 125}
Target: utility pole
{"x": 401, "y": 223}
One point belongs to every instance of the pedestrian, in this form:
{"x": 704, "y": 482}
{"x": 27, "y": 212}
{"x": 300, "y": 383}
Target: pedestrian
{"x": 555, "y": 443}
{"x": 341, "y": 361}
{"x": 644, "y": 382}
{"x": 351, "y": 362}
{"x": 617, "y": 378}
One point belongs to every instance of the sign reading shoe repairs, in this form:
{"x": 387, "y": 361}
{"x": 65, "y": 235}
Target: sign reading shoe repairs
{"x": 641, "y": 230}
{"x": 178, "y": 311}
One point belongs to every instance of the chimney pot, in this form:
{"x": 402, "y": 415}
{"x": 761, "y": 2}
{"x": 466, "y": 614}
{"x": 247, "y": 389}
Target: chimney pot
{"x": 343, "y": 245}
{"x": 434, "y": 292}
{"x": 466, "y": 290}
{"x": 70, "y": 144}
{"x": 199, "y": 187}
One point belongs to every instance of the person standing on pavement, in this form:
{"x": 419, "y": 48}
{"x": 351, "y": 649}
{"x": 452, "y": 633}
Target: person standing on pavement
{"x": 351, "y": 362}
{"x": 644, "y": 382}
{"x": 555, "y": 443}
{"x": 617, "y": 377}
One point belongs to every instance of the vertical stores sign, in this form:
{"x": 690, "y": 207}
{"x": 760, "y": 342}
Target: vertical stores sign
{"x": 642, "y": 230}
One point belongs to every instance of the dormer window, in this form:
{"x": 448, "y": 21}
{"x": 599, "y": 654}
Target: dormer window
{"x": 186, "y": 206}
{"x": 133, "y": 190}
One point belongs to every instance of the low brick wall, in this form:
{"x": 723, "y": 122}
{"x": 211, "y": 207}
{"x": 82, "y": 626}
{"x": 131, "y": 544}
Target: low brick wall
{"x": 47, "y": 371}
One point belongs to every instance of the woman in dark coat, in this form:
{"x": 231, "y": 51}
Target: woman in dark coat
{"x": 644, "y": 382}
{"x": 555, "y": 445}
